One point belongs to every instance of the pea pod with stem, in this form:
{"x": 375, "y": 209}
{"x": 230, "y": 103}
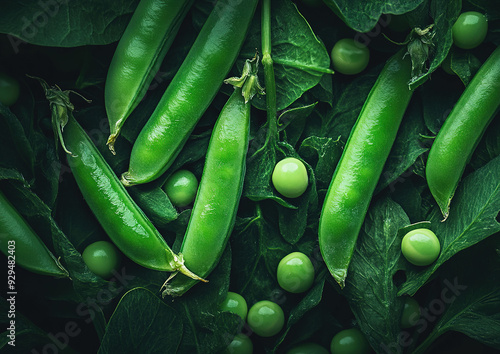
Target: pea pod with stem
{"x": 214, "y": 210}
{"x": 360, "y": 166}
{"x": 19, "y": 242}
{"x": 191, "y": 90}
{"x": 138, "y": 56}
{"x": 121, "y": 218}
{"x": 461, "y": 132}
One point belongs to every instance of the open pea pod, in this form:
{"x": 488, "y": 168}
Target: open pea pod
{"x": 138, "y": 56}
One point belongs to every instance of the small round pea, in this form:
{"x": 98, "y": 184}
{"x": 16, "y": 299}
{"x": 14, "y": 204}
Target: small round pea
{"x": 102, "y": 258}
{"x": 350, "y": 341}
{"x": 295, "y": 272}
{"x": 411, "y": 312}
{"x": 420, "y": 247}
{"x": 181, "y": 188}
{"x": 266, "y": 318}
{"x": 290, "y": 177}
{"x": 350, "y": 57}
{"x": 469, "y": 30}
{"x": 235, "y": 303}
{"x": 241, "y": 344}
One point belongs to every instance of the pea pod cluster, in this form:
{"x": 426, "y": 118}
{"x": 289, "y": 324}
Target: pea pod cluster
{"x": 137, "y": 58}
{"x": 191, "y": 90}
{"x": 19, "y": 241}
{"x": 214, "y": 210}
{"x": 360, "y": 166}
{"x": 122, "y": 219}
{"x": 461, "y": 132}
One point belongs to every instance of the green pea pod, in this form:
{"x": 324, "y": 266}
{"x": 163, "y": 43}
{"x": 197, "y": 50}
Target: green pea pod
{"x": 138, "y": 56}
{"x": 191, "y": 90}
{"x": 360, "y": 166}
{"x": 122, "y": 219}
{"x": 214, "y": 210}
{"x": 23, "y": 246}
{"x": 461, "y": 132}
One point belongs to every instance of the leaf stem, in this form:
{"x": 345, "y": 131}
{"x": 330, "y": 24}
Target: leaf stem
{"x": 267, "y": 63}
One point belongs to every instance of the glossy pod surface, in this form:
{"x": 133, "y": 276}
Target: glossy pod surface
{"x": 361, "y": 164}
{"x": 462, "y": 130}
{"x": 124, "y": 222}
{"x": 137, "y": 57}
{"x": 30, "y": 251}
{"x": 214, "y": 211}
{"x": 191, "y": 90}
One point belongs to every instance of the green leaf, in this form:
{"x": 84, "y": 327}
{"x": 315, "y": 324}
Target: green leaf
{"x": 322, "y": 154}
{"x": 370, "y": 290}
{"x": 363, "y": 17}
{"x": 406, "y": 150}
{"x": 444, "y": 14}
{"x": 472, "y": 303}
{"x": 465, "y": 64}
{"x": 142, "y": 322}
{"x": 472, "y": 218}
{"x": 60, "y": 23}
{"x": 300, "y": 58}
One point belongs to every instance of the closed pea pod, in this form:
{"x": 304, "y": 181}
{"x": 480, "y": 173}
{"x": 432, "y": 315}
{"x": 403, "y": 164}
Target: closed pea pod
{"x": 124, "y": 222}
{"x": 361, "y": 164}
{"x": 19, "y": 240}
{"x": 191, "y": 90}
{"x": 461, "y": 132}
{"x": 137, "y": 57}
{"x": 214, "y": 210}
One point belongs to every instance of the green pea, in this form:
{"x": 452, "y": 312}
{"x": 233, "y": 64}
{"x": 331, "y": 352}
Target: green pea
{"x": 469, "y": 30}
{"x": 236, "y": 304}
{"x": 295, "y": 272}
{"x": 266, "y": 318}
{"x": 181, "y": 188}
{"x": 420, "y": 247}
{"x": 102, "y": 258}
{"x": 241, "y": 344}
{"x": 411, "y": 312}
{"x": 350, "y": 341}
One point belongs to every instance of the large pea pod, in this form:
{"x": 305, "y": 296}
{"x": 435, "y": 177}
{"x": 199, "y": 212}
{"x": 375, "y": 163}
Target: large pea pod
{"x": 360, "y": 166}
{"x": 214, "y": 210}
{"x": 138, "y": 56}
{"x": 122, "y": 219}
{"x": 191, "y": 90}
{"x": 20, "y": 243}
{"x": 461, "y": 132}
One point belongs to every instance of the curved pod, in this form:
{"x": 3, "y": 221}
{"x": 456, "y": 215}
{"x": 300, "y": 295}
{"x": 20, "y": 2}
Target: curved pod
{"x": 360, "y": 166}
{"x": 461, "y": 132}
{"x": 18, "y": 239}
{"x": 214, "y": 211}
{"x": 122, "y": 219}
{"x": 138, "y": 56}
{"x": 191, "y": 90}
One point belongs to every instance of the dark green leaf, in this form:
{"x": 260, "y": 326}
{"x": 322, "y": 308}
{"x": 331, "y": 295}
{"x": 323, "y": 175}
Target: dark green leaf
{"x": 472, "y": 218}
{"x": 65, "y": 23}
{"x": 363, "y": 17}
{"x": 300, "y": 58}
{"x": 370, "y": 289}
{"x": 142, "y": 322}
